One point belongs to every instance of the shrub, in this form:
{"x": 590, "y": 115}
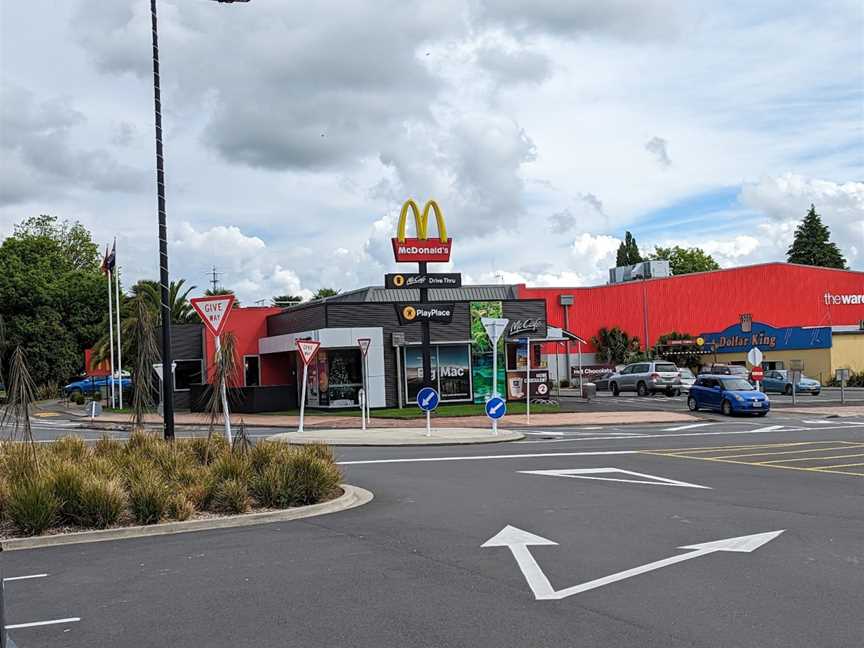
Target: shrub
{"x": 231, "y": 496}
{"x": 4, "y": 496}
{"x": 266, "y": 453}
{"x": 320, "y": 451}
{"x": 103, "y": 501}
{"x": 31, "y": 506}
{"x": 301, "y": 479}
{"x": 230, "y": 466}
{"x": 108, "y": 448}
{"x": 217, "y": 447}
{"x": 18, "y": 462}
{"x": 67, "y": 484}
{"x": 143, "y": 443}
{"x": 78, "y": 398}
{"x": 180, "y": 508}
{"x": 148, "y": 496}
{"x": 70, "y": 448}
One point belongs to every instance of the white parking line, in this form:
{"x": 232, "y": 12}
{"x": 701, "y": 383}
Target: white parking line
{"x": 29, "y": 576}
{"x": 33, "y": 624}
{"x": 597, "y": 453}
{"x": 543, "y": 433}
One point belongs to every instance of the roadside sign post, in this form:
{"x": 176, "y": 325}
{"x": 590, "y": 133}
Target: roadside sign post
{"x": 364, "y": 344}
{"x": 427, "y": 400}
{"x": 842, "y": 375}
{"x": 307, "y": 350}
{"x": 496, "y": 408}
{"x": 214, "y": 312}
{"x": 495, "y": 327}
{"x": 361, "y": 398}
{"x": 528, "y": 382}
{"x": 754, "y": 357}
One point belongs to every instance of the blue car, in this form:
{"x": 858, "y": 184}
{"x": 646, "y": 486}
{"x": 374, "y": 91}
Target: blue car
{"x": 727, "y": 394}
{"x": 93, "y": 384}
{"x": 778, "y": 381}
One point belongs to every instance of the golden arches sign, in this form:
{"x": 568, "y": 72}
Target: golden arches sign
{"x": 421, "y": 249}
{"x": 421, "y": 220}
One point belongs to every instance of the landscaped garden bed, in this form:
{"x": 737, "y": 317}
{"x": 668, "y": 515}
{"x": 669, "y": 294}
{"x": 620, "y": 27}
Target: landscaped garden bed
{"x": 69, "y": 486}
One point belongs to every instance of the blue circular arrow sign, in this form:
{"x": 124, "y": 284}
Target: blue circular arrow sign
{"x": 428, "y": 399}
{"x": 496, "y": 408}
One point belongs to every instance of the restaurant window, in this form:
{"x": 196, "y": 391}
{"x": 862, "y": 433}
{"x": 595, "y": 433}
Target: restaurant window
{"x": 187, "y": 373}
{"x": 340, "y": 377}
{"x": 251, "y": 371}
{"x": 451, "y": 372}
{"x": 517, "y": 356}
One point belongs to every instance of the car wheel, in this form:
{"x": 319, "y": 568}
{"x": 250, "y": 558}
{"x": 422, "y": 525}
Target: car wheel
{"x": 815, "y": 393}
{"x": 726, "y": 408}
{"x": 615, "y": 390}
{"x": 670, "y": 392}
{"x": 788, "y": 390}
{"x": 677, "y": 392}
{"x": 642, "y": 389}
{"x": 692, "y": 405}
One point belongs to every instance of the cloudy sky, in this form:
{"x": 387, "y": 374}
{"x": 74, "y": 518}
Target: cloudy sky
{"x": 295, "y": 130}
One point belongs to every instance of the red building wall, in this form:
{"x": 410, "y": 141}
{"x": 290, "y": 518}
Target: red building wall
{"x": 779, "y": 294}
{"x": 248, "y": 325}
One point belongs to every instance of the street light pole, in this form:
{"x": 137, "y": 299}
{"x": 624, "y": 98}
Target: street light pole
{"x": 168, "y": 379}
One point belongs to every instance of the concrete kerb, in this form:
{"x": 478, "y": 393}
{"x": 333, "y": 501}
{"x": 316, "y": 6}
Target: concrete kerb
{"x": 395, "y": 437}
{"x": 352, "y": 497}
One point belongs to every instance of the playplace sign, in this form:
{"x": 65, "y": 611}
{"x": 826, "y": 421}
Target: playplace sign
{"x": 767, "y": 338}
{"x": 421, "y": 249}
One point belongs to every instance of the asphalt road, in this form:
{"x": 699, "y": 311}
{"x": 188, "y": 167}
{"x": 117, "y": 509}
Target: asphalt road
{"x": 408, "y": 569}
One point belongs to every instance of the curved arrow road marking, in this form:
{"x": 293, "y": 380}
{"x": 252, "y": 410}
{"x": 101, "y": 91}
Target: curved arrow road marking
{"x": 518, "y": 541}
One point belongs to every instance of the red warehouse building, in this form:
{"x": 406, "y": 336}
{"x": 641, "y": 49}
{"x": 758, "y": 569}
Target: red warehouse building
{"x": 789, "y": 311}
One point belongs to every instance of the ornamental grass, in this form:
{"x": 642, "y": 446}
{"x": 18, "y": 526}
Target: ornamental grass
{"x": 70, "y": 485}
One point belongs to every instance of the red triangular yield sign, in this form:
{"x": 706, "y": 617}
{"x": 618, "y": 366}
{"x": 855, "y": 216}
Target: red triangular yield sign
{"x": 307, "y": 349}
{"x": 364, "y": 345}
{"x": 213, "y": 311}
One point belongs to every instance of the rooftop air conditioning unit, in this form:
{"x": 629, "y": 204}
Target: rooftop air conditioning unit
{"x": 644, "y": 270}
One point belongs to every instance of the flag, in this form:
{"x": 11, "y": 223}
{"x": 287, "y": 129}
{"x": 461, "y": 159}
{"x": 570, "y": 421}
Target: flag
{"x": 104, "y": 267}
{"x": 111, "y": 259}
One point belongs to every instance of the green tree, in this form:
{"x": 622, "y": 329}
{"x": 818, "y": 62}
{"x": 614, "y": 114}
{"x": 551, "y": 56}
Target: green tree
{"x": 628, "y": 251}
{"x": 321, "y": 293}
{"x": 685, "y": 260}
{"x": 614, "y": 346}
{"x": 812, "y": 244}
{"x": 211, "y": 292}
{"x": 286, "y": 300}
{"x": 52, "y": 296}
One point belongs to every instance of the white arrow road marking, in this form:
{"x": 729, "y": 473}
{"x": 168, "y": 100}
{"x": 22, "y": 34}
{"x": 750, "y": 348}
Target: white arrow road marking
{"x": 18, "y": 626}
{"x": 543, "y": 434}
{"x": 518, "y": 541}
{"x": 28, "y": 577}
{"x": 818, "y": 422}
{"x": 587, "y": 473}
{"x": 687, "y": 427}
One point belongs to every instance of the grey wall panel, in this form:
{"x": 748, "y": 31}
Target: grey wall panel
{"x": 187, "y": 341}
{"x": 294, "y": 320}
{"x": 527, "y": 309}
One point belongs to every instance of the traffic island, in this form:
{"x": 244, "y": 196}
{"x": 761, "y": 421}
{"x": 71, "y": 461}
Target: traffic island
{"x": 397, "y": 436}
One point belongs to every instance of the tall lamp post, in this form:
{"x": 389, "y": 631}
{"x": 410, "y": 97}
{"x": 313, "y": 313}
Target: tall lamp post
{"x": 168, "y": 376}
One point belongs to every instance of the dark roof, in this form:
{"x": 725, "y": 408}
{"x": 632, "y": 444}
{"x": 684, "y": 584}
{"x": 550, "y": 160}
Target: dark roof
{"x": 379, "y": 294}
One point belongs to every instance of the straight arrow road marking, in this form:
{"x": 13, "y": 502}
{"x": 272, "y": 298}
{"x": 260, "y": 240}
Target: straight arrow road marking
{"x": 519, "y": 541}
{"x": 590, "y": 473}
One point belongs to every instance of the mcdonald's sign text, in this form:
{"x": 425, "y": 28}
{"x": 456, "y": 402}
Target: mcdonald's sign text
{"x": 421, "y": 248}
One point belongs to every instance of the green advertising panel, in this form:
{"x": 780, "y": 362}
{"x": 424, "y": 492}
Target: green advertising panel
{"x": 481, "y": 351}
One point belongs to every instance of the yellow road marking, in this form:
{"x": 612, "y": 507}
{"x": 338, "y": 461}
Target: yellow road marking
{"x": 786, "y": 452}
{"x": 744, "y": 447}
{"x": 760, "y": 463}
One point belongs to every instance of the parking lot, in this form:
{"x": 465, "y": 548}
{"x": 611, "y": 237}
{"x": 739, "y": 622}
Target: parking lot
{"x": 727, "y": 532}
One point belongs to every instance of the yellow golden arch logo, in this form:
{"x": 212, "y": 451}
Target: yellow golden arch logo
{"x": 421, "y": 220}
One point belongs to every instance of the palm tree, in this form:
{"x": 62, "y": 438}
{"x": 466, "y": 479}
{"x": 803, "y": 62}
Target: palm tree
{"x": 614, "y": 345}
{"x": 178, "y": 299}
{"x": 211, "y": 292}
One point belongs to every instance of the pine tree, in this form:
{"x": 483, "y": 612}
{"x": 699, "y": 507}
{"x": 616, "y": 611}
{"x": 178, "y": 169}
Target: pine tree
{"x": 812, "y": 244}
{"x": 628, "y": 251}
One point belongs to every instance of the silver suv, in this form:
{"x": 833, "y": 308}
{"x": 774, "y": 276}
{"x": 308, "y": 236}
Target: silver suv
{"x": 647, "y": 378}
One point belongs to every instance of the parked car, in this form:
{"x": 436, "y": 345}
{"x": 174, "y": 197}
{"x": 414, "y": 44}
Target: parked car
{"x": 728, "y": 394}
{"x": 718, "y": 369}
{"x": 778, "y": 381}
{"x": 93, "y": 384}
{"x": 647, "y": 378}
{"x": 687, "y": 379}
{"x": 602, "y": 382}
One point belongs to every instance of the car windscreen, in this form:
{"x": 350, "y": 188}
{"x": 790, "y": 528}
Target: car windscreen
{"x": 738, "y": 369}
{"x": 666, "y": 367}
{"x": 686, "y": 373}
{"x": 737, "y": 384}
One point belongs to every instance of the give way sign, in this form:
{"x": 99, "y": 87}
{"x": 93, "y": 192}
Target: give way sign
{"x": 307, "y": 350}
{"x": 213, "y": 311}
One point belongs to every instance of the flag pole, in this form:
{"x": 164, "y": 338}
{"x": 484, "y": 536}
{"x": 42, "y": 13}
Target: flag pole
{"x": 119, "y": 342}
{"x": 111, "y": 334}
